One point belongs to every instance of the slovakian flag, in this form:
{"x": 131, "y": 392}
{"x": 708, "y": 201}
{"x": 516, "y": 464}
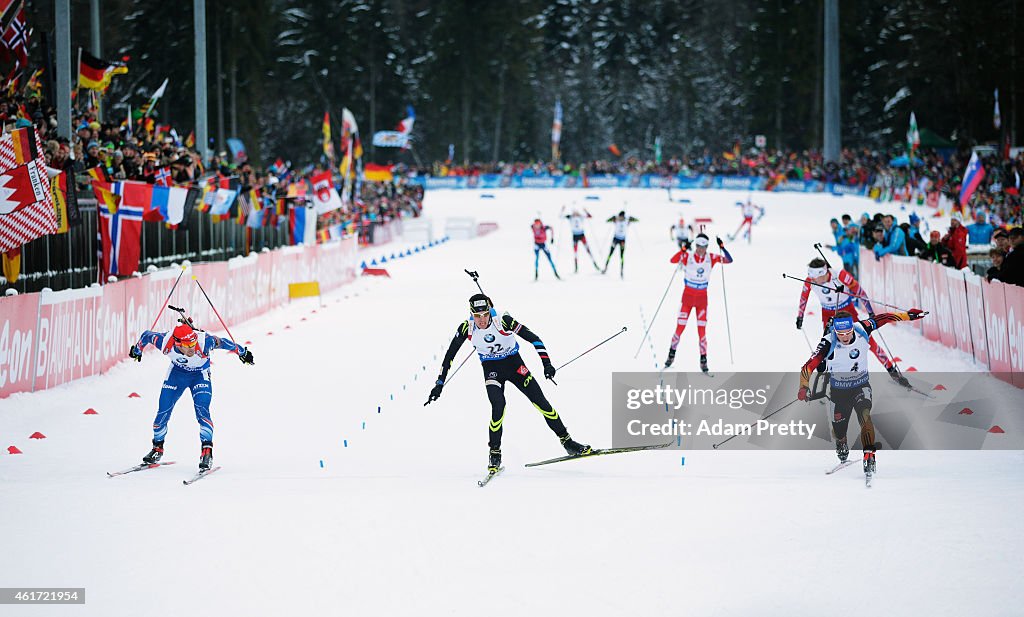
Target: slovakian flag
{"x": 325, "y": 196}
{"x": 302, "y": 224}
{"x": 973, "y": 176}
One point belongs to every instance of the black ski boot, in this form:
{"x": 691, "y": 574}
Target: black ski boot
{"x": 155, "y": 454}
{"x": 493, "y": 460}
{"x": 573, "y": 448}
{"x": 898, "y": 377}
{"x": 206, "y": 457}
{"x": 671, "y": 357}
{"x": 869, "y": 462}
{"x": 842, "y": 450}
{"x": 704, "y": 362}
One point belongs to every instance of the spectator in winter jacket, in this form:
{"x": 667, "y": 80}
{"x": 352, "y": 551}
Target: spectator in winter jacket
{"x": 1002, "y": 240}
{"x": 865, "y": 231}
{"x": 915, "y": 241}
{"x": 981, "y": 231}
{"x": 837, "y": 232}
{"x": 894, "y": 242}
{"x": 1012, "y": 269}
{"x": 849, "y": 249}
{"x": 997, "y": 257}
{"x": 956, "y": 241}
{"x": 934, "y": 251}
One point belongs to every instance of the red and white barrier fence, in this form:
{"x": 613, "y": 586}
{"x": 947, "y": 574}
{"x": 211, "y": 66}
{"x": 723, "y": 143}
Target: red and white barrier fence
{"x": 51, "y": 338}
{"x": 982, "y": 319}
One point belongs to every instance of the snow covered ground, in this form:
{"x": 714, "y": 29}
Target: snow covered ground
{"x": 326, "y": 505}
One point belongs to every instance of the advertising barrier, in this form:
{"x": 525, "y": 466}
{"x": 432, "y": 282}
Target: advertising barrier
{"x": 52, "y": 338}
{"x": 651, "y": 181}
{"x": 981, "y": 319}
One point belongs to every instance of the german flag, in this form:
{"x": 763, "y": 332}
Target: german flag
{"x": 102, "y": 189}
{"x": 24, "y": 143}
{"x": 95, "y": 74}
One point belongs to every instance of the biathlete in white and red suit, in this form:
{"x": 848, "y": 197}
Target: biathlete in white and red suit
{"x": 837, "y": 292}
{"x": 576, "y": 224}
{"x": 748, "y": 208}
{"x": 697, "y": 272}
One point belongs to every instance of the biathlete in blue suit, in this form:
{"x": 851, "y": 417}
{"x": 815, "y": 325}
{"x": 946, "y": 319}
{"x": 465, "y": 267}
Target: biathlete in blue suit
{"x": 188, "y": 350}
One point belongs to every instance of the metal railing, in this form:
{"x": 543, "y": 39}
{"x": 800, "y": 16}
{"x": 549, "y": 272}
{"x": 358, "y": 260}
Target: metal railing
{"x": 70, "y": 260}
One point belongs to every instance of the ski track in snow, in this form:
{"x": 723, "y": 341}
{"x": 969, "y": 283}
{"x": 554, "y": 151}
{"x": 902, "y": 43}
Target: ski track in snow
{"x": 394, "y": 523}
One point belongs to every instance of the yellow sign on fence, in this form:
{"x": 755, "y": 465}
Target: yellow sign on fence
{"x": 303, "y": 290}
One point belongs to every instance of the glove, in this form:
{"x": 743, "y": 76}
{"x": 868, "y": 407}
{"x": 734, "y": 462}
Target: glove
{"x": 802, "y": 394}
{"x": 435, "y": 392}
{"x": 135, "y": 353}
{"x": 800, "y": 323}
{"x": 916, "y": 313}
{"x": 549, "y": 370}
{"x": 898, "y": 377}
{"x": 721, "y": 244}
{"x": 246, "y": 357}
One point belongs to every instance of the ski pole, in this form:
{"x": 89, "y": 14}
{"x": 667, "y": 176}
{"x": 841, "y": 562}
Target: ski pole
{"x": 231, "y": 336}
{"x": 169, "y": 294}
{"x": 558, "y": 368}
{"x": 648, "y": 330}
{"x": 474, "y": 275}
{"x": 817, "y": 247}
{"x": 452, "y": 376}
{"x": 859, "y": 297}
{"x": 807, "y": 340}
{"x": 728, "y": 328}
{"x": 721, "y": 443}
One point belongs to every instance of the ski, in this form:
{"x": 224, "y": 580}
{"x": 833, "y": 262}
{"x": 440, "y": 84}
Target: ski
{"x": 600, "y": 452}
{"x": 139, "y": 467}
{"x": 842, "y": 465}
{"x": 199, "y": 476}
{"x": 489, "y": 477}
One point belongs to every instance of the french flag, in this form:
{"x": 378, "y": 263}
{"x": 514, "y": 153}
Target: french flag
{"x": 973, "y": 176}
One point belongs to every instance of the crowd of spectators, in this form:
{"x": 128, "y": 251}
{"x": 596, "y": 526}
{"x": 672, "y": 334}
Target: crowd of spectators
{"x": 888, "y": 176}
{"x": 883, "y": 235}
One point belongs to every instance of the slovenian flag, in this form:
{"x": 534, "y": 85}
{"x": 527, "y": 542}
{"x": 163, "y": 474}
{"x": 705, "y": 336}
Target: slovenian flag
{"x": 973, "y": 176}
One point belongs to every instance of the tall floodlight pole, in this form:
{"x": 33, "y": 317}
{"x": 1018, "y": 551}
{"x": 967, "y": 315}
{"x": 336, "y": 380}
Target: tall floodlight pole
{"x": 832, "y": 135}
{"x": 95, "y": 45}
{"x": 62, "y": 23}
{"x": 202, "y": 130}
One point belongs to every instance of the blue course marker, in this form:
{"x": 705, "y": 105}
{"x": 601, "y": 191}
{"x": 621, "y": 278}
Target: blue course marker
{"x": 364, "y": 426}
{"x": 373, "y": 263}
{"x": 682, "y": 461}
{"x": 378, "y": 408}
{"x": 321, "y": 463}
{"x": 345, "y": 442}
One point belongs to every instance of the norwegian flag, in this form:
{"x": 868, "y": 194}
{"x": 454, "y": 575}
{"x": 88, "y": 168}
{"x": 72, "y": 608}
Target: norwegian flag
{"x": 120, "y": 241}
{"x": 15, "y": 38}
{"x": 163, "y": 176}
{"x": 26, "y": 202}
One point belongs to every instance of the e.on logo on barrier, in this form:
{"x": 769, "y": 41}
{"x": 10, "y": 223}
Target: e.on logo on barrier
{"x": 18, "y": 316}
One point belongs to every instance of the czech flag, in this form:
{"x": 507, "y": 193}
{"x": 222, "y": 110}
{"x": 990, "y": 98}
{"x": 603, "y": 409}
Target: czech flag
{"x": 973, "y": 176}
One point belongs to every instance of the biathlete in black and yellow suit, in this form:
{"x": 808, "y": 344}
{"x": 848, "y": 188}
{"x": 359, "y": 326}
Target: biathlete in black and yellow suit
{"x": 495, "y": 341}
